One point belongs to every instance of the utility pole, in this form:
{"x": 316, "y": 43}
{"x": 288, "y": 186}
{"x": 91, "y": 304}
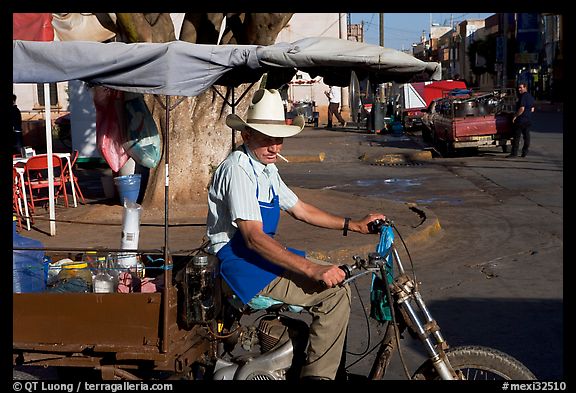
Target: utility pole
{"x": 380, "y": 98}
{"x": 505, "y": 51}
{"x": 381, "y": 29}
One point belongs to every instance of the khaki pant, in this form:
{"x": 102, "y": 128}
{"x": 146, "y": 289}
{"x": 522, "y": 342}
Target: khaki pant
{"x": 330, "y": 309}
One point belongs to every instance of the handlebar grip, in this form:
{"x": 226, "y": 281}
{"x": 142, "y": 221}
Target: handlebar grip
{"x": 376, "y": 225}
{"x": 347, "y": 270}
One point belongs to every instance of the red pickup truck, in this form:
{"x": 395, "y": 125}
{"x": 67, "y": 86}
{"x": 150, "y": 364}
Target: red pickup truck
{"x": 412, "y": 98}
{"x": 469, "y": 119}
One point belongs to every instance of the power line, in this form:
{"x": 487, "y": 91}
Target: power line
{"x": 386, "y": 28}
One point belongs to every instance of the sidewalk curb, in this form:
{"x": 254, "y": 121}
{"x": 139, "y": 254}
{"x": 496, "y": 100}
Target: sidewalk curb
{"x": 303, "y": 158}
{"x": 397, "y": 158}
{"x": 422, "y": 236}
{"x": 425, "y": 234}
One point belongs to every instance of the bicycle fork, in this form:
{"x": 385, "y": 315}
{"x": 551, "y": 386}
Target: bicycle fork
{"x": 409, "y": 301}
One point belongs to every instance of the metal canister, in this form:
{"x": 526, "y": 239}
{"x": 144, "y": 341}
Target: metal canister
{"x": 200, "y": 279}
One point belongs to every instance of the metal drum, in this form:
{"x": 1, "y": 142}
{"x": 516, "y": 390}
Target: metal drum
{"x": 466, "y": 108}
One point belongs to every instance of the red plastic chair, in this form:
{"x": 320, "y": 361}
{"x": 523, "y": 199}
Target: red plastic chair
{"x": 36, "y": 179}
{"x": 74, "y": 182}
{"x": 19, "y": 201}
{"x": 16, "y": 197}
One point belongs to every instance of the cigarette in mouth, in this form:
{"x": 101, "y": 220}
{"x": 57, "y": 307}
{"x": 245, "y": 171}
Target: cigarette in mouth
{"x": 282, "y": 157}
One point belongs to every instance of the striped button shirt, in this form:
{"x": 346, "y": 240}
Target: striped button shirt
{"x": 232, "y": 195}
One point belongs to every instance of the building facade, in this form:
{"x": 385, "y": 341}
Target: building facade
{"x": 501, "y": 51}
{"x": 304, "y": 89}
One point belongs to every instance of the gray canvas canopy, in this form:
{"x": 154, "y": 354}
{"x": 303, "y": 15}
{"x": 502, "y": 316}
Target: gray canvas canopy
{"x": 186, "y": 69}
{"x": 179, "y": 68}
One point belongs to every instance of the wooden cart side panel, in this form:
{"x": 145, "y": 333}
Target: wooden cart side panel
{"x": 87, "y": 319}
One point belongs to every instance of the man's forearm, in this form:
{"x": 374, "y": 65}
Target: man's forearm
{"x": 312, "y": 215}
{"x": 274, "y": 251}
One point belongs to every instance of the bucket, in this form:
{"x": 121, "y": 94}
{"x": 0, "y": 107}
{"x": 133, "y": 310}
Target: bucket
{"x": 128, "y": 187}
{"x": 28, "y": 273}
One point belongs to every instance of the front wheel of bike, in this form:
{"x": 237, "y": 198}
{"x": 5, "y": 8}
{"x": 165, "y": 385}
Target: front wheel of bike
{"x": 478, "y": 363}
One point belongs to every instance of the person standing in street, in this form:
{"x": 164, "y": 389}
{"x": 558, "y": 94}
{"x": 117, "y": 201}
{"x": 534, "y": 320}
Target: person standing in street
{"x": 335, "y": 99}
{"x": 16, "y": 126}
{"x": 522, "y": 120}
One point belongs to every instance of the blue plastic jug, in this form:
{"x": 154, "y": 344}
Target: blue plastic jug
{"x": 27, "y": 265}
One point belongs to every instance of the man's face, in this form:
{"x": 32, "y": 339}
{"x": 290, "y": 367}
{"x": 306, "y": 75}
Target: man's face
{"x": 522, "y": 89}
{"x": 264, "y": 147}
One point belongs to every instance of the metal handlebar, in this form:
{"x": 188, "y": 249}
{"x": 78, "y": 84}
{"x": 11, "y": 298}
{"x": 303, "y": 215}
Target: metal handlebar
{"x": 373, "y": 264}
{"x": 375, "y": 261}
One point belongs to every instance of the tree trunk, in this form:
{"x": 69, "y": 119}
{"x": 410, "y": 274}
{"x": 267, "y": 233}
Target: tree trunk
{"x": 199, "y": 141}
{"x": 198, "y": 136}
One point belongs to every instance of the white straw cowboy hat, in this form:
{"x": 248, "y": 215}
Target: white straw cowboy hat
{"x": 266, "y": 115}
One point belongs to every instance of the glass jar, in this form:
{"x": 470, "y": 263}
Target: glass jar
{"x": 76, "y": 270}
{"x": 104, "y": 281}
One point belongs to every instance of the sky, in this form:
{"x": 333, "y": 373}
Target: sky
{"x": 401, "y": 30}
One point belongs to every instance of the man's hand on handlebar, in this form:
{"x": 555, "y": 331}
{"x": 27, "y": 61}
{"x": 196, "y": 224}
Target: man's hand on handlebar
{"x": 328, "y": 275}
{"x": 362, "y": 225}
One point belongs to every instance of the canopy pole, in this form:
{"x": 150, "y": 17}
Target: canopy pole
{"x": 48, "y": 123}
{"x": 233, "y": 106}
{"x": 166, "y": 176}
{"x": 167, "y": 259}
{"x": 233, "y": 111}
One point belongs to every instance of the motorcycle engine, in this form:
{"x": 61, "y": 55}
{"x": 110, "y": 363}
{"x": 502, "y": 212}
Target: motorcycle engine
{"x": 270, "y": 332}
{"x": 282, "y": 342}
{"x": 276, "y": 330}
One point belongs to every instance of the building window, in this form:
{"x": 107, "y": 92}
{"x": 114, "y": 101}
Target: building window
{"x": 53, "y": 94}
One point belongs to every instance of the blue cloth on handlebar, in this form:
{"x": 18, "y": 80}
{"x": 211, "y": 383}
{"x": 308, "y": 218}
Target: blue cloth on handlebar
{"x": 379, "y": 308}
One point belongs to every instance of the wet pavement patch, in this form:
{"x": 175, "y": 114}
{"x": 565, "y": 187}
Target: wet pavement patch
{"x": 444, "y": 199}
{"x": 392, "y": 181}
{"x": 403, "y": 163}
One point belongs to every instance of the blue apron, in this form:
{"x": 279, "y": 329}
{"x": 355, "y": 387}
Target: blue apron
{"x": 244, "y": 270}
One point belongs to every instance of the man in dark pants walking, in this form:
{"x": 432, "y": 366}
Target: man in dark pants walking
{"x": 16, "y": 126}
{"x": 522, "y": 120}
{"x": 335, "y": 99}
